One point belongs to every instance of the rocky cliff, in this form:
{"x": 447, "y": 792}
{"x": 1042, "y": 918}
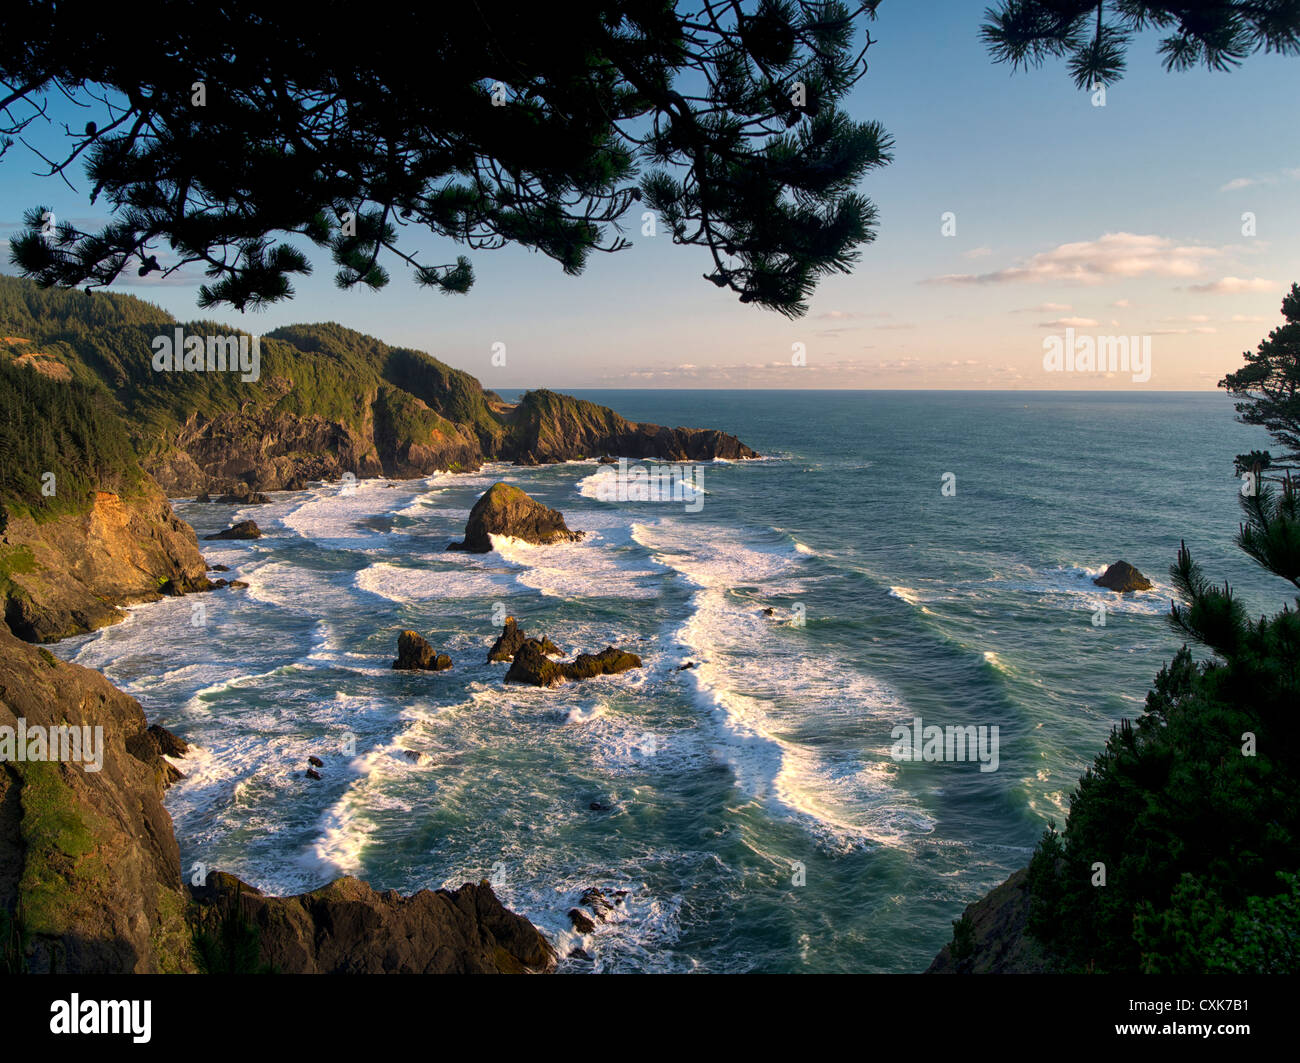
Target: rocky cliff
{"x": 324, "y": 401}
{"x": 992, "y": 938}
{"x": 70, "y": 574}
{"x": 90, "y": 876}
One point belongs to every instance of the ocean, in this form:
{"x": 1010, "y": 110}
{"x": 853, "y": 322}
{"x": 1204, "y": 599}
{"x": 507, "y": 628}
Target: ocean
{"x": 926, "y": 555}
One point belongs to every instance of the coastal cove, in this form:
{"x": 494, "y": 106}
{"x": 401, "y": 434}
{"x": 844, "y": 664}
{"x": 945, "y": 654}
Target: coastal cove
{"x": 705, "y": 793}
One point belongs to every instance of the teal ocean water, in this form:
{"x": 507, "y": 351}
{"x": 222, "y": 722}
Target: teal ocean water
{"x": 749, "y": 806}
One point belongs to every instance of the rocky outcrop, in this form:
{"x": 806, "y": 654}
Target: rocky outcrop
{"x": 245, "y": 529}
{"x": 550, "y": 427}
{"x": 328, "y": 401}
{"x": 90, "y": 870}
{"x": 512, "y": 638}
{"x": 349, "y": 928}
{"x": 244, "y": 496}
{"x": 992, "y": 938}
{"x": 608, "y": 661}
{"x": 88, "y": 861}
{"x": 415, "y": 653}
{"x": 69, "y": 575}
{"x": 1123, "y": 578}
{"x": 532, "y": 667}
{"x": 507, "y": 511}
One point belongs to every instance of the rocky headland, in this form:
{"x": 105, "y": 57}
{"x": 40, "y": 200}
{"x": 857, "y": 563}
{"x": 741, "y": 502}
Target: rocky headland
{"x": 90, "y": 874}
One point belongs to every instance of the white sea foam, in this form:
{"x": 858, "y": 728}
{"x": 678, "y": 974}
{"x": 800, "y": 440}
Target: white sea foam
{"x": 441, "y": 579}
{"x": 337, "y": 513}
{"x": 590, "y": 568}
{"x": 849, "y": 797}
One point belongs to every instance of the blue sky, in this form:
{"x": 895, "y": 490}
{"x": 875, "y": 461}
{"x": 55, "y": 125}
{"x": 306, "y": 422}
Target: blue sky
{"x": 1117, "y": 220}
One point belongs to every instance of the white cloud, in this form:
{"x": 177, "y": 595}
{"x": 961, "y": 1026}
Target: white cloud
{"x": 1234, "y": 285}
{"x": 1069, "y": 322}
{"x": 1238, "y": 183}
{"x": 977, "y": 252}
{"x": 1113, "y": 256}
{"x": 1044, "y": 308}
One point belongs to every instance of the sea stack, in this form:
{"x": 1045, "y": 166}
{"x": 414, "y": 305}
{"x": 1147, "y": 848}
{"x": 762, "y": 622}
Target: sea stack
{"x": 415, "y": 654}
{"x": 533, "y": 667}
{"x": 1122, "y": 577}
{"x": 512, "y": 639}
{"x": 508, "y": 511}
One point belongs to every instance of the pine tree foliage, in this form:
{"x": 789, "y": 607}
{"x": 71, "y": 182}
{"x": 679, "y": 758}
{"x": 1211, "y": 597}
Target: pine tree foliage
{"x": 1093, "y": 36}
{"x": 254, "y": 137}
{"x": 1194, "y": 809}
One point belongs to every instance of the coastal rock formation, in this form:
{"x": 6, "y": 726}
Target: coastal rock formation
{"x": 245, "y": 529}
{"x": 415, "y": 653}
{"x": 87, "y": 858}
{"x": 994, "y": 939}
{"x": 533, "y": 667}
{"x": 89, "y": 862}
{"x": 608, "y": 661}
{"x": 1122, "y": 578}
{"x": 349, "y": 928}
{"x": 508, "y": 511}
{"x": 69, "y": 575}
{"x": 512, "y": 638}
{"x": 244, "y": 496}
{"x": 328, "y": 401}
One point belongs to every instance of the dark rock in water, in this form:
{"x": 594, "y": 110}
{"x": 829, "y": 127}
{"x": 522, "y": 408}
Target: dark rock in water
{"x": 769, "y": 611}
{"x": 181, "y": 585}
{"x": 312, "y": 773}
{"x": 608, "y": 661}
{"x": 203, "y": 497}
{"x": 244, "y": 496}
{"x": 581, "y": 921}
{"x": 245, "y": 529}
{"x": 1123, "y": 577}
{"x": 579, "y": 954}
{"x": 598, "y": 903}
{"x": 169, "y": 745}
{"x": 316, "y": 762}
{"x": 512, "y": 637}
{"x": 686, "y": 666}
{"x": 596, "y": 806}
{"x": 218, "y": 583}
{"x": 607, "y": 460}
{"x": 349, "y": 928}
{"x": 236, "y": 584}
{"x": 528, "y": 460}
{"x": 294, "y": 483}
{"x": 506, "y": 510}
{"x": 413, "y": 652}
{"x": 218, "y": 568}
{"x": 532, "y": 666}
